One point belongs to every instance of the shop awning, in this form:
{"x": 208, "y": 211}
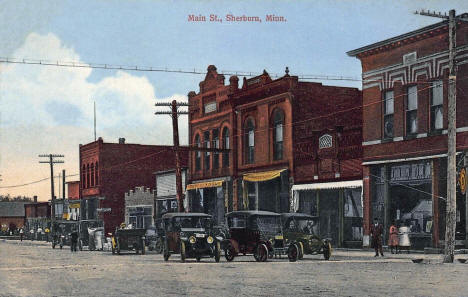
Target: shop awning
{"x": 210, "y": 184}
{"x": 74, "y": 205}
{"x": 262, "y": 176}
{"x": 331, "y": 185}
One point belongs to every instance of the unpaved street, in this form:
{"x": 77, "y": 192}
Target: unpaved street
{"x": 35, "y": 269}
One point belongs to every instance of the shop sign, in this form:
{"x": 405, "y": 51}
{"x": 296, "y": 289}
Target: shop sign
{"x": 104, "y": 209}
{"x": 411, "y": 172}
{"x": 462, "y": 180}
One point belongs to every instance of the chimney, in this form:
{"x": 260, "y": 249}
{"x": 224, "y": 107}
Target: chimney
{"x": 121, "y": 140}
{"x": 35, "y": 199}
{"x": 233, "y": 83}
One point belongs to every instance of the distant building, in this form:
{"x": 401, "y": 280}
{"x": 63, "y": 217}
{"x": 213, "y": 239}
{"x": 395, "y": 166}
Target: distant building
{"x": 166, "y": 194}
{"x": 37, "y": 216}
{"x": 139, "y": 208}
{"x": 109, "y": 170}
{"x": 11, "y": 215}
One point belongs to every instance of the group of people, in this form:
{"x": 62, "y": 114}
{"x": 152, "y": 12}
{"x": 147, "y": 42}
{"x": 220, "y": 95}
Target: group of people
{"x": 397, "y": 238}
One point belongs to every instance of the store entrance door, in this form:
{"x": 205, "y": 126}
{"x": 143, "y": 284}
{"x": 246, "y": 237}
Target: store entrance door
{"x": 329, "y": 215}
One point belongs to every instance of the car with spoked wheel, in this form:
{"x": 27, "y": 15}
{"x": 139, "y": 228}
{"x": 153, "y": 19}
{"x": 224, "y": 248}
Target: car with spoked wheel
{"x": 302, "y": 230}
{"x": 191, "y": 235}
{"x": 257, "y": 233}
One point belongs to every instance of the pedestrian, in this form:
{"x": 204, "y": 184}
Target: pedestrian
{"x": 393, "y": 238}
{"x": 376, "y": 232}
{"x": 74, "y": 240}
{"x": 21, "y": 232}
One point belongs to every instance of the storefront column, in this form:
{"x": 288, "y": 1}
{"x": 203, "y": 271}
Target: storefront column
{"x": 235, "y": 194}
{"x": 435, "y": 202}
{"x": 386, "y": 218}
{"x": 366, "y": 205}
{"x": 341, "y": 217}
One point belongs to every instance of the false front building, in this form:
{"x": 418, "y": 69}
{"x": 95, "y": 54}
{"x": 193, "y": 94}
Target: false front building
{"x": 286, "y": 138}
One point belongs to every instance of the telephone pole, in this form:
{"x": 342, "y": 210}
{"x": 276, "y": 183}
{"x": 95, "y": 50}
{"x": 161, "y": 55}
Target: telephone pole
{"x": 52, "y": 161}
{"x": 451, "y": 219}
{"x": 174, "y": 113}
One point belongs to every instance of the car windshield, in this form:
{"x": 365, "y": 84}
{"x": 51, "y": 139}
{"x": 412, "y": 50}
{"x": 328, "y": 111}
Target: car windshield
{"x": 199, "y": 223}
{"x": 267, "y": 223}
{"x": 237, "y": 222}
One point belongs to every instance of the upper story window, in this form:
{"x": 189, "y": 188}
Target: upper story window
{"x": 210, "y": 107}
{"x": 437, "y": 105}
{"x": 96, "y": 174}
{"x": 325, "y": 141}
{"x": 412, "y": 110}
{"x": 83, "y": 177}
{"x": 88, "y": 176}
{"x": 197, "y": 154}
{"x": 206, "y": 140}
{"x": 226, "y": 146}
{"x": 388, "y": 114}
{"x": 92, "y": 175}
{"x": 278, "y": 127}
{"x": 249, "y": 141}
{"x": 215, "y": 144}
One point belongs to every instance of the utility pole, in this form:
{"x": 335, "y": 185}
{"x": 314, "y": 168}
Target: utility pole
{"x": 63, "y": 184}
{"x": 174, "y": 113}
{"x": 52, "y": 161}
{"x": 451, "y": 217}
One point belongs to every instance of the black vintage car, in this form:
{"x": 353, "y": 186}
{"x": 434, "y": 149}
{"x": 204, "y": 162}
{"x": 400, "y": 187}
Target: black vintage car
{"x": 259, "y": 233}
{"x": 129, "y": 239}
{"x": 302, "y": 229}
{"x": 190, "y": 235}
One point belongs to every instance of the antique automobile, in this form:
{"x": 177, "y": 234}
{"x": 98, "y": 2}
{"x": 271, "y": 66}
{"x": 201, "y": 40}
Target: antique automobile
{"x": 258, "y": 233}
{"x": 302, "y": 229}
{"x": 155, "y": 237}
{"x": 128, "y": 239}
{"x": 190, "y": 235}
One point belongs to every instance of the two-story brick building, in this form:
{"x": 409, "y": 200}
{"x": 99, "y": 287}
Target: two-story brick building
{"x": 285, "y": 136}
{"x": 405, "y": 83}
{"x": 108, "y": 170}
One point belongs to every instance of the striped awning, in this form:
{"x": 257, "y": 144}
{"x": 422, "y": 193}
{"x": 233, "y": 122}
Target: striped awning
{"x": 210, "y": 184}
{"x": 262, "y": 176}
{"x": 331, "y": 185}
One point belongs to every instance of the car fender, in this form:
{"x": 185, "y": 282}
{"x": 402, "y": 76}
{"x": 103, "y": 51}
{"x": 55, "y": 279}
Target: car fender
{"x": 233, "y": 243}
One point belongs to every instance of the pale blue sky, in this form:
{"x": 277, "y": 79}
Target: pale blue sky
{"x": 50, "y": 110}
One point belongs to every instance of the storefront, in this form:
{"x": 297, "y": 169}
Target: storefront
{"x": 339, "y": 207}
{"x": 267, "y": 190}
{"x": 210, "y": 197}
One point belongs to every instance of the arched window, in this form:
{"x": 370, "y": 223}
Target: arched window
{"x": 92, "y": 175}
{"x": 249, "y": 142}
{"x": 225, "y": 146}
{"x": 88, "y": 176}
{"x": 197, "y": 154}
{"x": 96, "y": 174}
{"x": 278, "y": 128}
{"x": 206, "y": 140}
{"x": 83, "y": 177}
{"x": 215, "y": 144}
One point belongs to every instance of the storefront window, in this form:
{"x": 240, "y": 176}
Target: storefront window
{"x": 140, "y": 217}
{"x": 353, "y": 214}
{"x": 308, "y": 202}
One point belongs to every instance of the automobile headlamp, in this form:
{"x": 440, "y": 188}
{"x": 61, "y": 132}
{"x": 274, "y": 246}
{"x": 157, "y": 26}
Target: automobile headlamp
{"x": 209, "y": 239}
{"x": 271, "y": 240}
{"x": 192, "y": 239}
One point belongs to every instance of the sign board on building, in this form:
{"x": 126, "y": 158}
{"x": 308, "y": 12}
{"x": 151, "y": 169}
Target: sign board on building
{"x": 104, "y": 209}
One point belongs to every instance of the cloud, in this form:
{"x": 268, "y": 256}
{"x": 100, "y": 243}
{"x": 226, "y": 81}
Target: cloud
{"x": 47, "y": 109}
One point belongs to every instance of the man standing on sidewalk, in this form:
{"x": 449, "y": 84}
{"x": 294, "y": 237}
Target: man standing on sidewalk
{"x": 376, "y": 232}
{"x": 21, "y": 232}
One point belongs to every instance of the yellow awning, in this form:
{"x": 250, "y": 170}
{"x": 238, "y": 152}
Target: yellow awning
{"x": 74, "y": 205}
{"x": 262, "y": 176}
{"x": 210, "y": 184}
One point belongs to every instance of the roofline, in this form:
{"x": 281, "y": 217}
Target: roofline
{"x": 422, "y": 30}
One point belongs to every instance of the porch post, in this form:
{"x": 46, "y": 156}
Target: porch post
{"x": 366, "y": 205}
{"x": 435, "y": 202}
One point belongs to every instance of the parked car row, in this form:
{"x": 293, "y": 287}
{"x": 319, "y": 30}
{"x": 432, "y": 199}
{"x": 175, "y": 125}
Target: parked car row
{"x": 259, "y": 233}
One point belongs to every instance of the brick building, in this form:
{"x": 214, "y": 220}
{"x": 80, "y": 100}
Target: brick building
{"x": 37, "y": 218}
{"x": 11, "y": 215}
{"x": 405, "y": 83}
{"x": 108, "y": 170}
{"x": 73, "y": 201}
{"x": 285, "y": 136}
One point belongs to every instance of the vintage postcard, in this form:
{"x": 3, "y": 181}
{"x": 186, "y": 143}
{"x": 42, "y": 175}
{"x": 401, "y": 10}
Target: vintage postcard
{"x": 233, "y": 148}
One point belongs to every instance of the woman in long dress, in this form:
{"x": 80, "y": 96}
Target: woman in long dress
{"x": 393, "y": 238}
